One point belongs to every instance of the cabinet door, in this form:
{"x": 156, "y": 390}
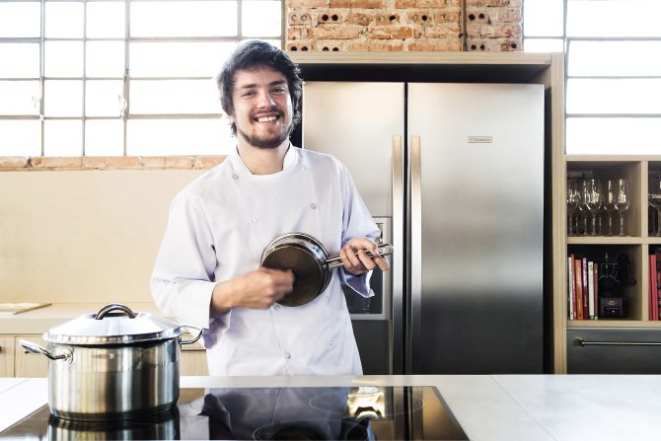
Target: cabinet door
{"x": 193, "y": 359}
{"x": 28, "y": 364}
{"x": 7, "y": 356}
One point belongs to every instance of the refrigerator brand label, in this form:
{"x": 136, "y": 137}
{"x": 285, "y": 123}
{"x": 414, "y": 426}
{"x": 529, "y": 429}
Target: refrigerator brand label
{"x": 480, "y": 139}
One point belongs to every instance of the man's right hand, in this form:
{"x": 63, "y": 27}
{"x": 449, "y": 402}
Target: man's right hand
{"x": 258, "y": 289}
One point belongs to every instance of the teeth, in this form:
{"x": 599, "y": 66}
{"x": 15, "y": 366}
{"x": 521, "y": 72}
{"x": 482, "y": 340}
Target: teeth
{"x": 267, "y": 118}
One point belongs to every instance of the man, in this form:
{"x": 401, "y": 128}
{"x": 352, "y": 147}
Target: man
{"x": 207, "y": 270}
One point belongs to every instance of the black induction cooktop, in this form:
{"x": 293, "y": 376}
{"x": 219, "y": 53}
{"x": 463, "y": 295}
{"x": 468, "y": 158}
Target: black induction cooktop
{"x": 305, "y": 413}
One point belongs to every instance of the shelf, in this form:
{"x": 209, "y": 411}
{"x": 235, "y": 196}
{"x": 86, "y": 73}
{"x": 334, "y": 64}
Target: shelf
{"x": 582, "y": 324}
{"x": 606, "y": 240}
{"x": 612, "y": 158}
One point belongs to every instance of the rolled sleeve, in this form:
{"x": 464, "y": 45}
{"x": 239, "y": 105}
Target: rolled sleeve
{"x": 360, "y": 284}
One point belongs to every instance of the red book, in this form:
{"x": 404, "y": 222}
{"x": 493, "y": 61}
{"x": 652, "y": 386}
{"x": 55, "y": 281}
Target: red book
{"x": 579, "y": 289}
{"x": 571, "y": 288}
{"x": 655, "y": 292}
{"x": 586, "y": 307}
{"x": 651, "y": 288}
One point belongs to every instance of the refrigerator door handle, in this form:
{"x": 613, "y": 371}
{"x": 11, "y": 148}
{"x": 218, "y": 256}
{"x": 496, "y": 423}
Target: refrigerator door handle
{"x": 398, "y": 258}
{"x": 415, "y": 222}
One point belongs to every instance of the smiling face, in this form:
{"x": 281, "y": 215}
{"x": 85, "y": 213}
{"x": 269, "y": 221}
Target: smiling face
{"x": 262, "y": 107}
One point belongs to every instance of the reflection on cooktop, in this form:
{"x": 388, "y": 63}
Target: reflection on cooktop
{"x": 326, "y": 413}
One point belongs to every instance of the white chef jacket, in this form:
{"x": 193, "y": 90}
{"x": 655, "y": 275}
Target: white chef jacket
{"x": 220, "y": 224}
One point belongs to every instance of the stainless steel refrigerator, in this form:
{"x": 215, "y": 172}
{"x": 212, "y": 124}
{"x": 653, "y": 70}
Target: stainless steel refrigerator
{"x": 454, "y": 176}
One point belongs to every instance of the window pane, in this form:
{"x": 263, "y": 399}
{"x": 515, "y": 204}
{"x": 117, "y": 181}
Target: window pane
{"x": 543, "y": 18}
{"x": 175, "y": 96}
{"x": 103, "y": 98}
{"x": 178, "y": 59}
{"x": 105, "y": 20}
{"x": 183, "y": 19}
{"x": 613, "y": 58}
{"x": 613, "y": 18}
{"x": 104, "y": 138}
{"x": 179, "y": 137}
{"x": 614, "y": 96}
{"x": 63, "y": 98}
{"x": 618, "y": 136}
{"x": 64, "y": 20}
{"x": 19, "y": 97}
{"x": 20, "y": 138}
{"x": 20, "y": 19}
{"x": 105, "y": 59}
{"x": 261, "y": 18}
{"x": 63, "y": 138}
{"x": 25, "y": 60}
{"x": 64, "y": 59}
{"x": 543, "y": 45}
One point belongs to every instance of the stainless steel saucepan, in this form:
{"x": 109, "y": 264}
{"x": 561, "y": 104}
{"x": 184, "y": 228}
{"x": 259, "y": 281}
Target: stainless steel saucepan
{"x": 115, "y": 364}
{"x": 308, "y": 259}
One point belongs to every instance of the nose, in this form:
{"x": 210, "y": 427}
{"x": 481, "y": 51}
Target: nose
{"x": 265, "y": 99}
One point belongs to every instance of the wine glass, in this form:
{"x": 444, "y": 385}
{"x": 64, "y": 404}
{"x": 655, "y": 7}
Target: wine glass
{"x": 655, "y": 201}
{"x": 593, "y": 201}
{"x": 573, "y": 201}
{"x": 582, "y": 216}
{"x": 622, "y": 201}
{"x": 609, "y": 204}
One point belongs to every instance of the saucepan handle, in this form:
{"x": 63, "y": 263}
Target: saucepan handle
{"x": 384, "y": 250}
{"x": 36, "y": 349}
{"x": 195, "y": 338}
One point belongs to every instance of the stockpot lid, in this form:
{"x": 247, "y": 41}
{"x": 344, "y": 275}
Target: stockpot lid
{"x": 114, "y": 324}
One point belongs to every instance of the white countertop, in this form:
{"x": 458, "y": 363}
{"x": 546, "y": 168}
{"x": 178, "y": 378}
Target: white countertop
{"x": 496, "y": 407}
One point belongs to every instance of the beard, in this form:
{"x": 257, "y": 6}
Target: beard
{"x": 270, "y": 142}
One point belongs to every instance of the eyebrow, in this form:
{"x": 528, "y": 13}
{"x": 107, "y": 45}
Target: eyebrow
{"x": 272, "y": 83}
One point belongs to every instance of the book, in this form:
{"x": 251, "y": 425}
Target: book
{"x": 655, "y": 292}
{"x": 651, "y": 288}
{"x": 586, "y": 310}
{"x": 571, "y": 290}
{"x": 596, "y": 291}
{"x": 579, "y": 289}
{"x": 591, "y": 289}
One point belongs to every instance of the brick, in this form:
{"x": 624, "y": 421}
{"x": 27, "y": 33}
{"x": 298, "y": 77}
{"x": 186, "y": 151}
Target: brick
{"x": 330, "y": 17}
{"x": 293, "y": 33}
{"x": 56, "y": 163}
{"x": 368, "y": 4}
{"x": 442, "y": 31}
{"x": 506, "y": 15}
{"x": 179, "y": 162}
{"x": 359, "y": 18}
{"x": 340, "y": 3}
{"x": 494, "y": 44}
{"x": 446, "y": 17}
{"x": 409, "y": 4}
{"x": 421, "y": 17}
{"x": 152, "y": 162}
{"x": 489, "y": 3}
{"x": 377, "y": 46}
{"x": 110, "y": 162}
{"x": 202, "y": 162}
{"x": 448, "y": 45}
{"x": 478, "y": 16}
{"x": 388, "y": 33}
{"x": 336, "y": 33}
{"x": 307, "y": 4}
{"x": 489, "y": 31}
{"x": 14, "y": 163}
{"x": 299, "y": 46}
{"x": 329, "y": 46}
{"x": 388, "y": 18}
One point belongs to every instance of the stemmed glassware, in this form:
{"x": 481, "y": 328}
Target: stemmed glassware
{"x": 593, "y": 201}
{"x": 622, "y": 201}
{"x": 655, "y": 201}
{"x": 573, "y": 202}
{"x": 609, "y": 204}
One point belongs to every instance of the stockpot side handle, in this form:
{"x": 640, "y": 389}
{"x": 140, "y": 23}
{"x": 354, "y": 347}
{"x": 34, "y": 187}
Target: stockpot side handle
{"x": 195, "y": 338}
{"x": 36, "y": 349}
{"x": 114, "y": 307}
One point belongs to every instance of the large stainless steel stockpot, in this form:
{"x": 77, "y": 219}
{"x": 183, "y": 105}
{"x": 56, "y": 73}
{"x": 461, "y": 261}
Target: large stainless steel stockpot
{"x": 310, "y": 262}
{"x": 115, "y": 364}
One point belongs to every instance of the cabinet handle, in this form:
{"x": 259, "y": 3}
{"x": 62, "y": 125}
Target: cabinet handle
{"x": 581, "y": 342}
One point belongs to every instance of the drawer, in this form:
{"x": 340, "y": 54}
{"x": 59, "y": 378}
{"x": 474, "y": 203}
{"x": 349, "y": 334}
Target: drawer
{"x": 613, "y": 351}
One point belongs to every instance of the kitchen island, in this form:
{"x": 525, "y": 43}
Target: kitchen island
{"x": 495, "y": 407}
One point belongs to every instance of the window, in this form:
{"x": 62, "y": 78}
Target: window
{"x": 613, "y": 70}
{"x": 121, "y": 77}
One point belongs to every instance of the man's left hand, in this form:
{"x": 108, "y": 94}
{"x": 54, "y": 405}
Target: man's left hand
{"x": 355, "y": 259}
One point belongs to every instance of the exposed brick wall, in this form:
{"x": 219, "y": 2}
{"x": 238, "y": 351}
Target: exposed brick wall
{"x": 402, "y": 25}
{"x": 109, "y": 163}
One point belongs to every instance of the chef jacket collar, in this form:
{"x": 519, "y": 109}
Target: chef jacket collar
{"x": 288, "y": 165}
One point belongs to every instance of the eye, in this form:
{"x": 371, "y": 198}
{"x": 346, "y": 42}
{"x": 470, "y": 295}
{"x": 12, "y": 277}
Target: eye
{"x": 279, "y": 90}
{"x": 249, "y": 93}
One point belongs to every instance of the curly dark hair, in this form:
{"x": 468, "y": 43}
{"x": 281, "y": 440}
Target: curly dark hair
{"x": 253, "y": 54}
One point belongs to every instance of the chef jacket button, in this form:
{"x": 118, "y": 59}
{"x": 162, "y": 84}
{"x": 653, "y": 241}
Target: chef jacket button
{"x": 313, "y": 206}
{"x": 235, "y": 176}
{"x": 253, "y": 219}
{"x": 287, "y": 355}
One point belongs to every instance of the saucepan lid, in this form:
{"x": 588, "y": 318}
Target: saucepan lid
{"x": 114, "y": 324}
